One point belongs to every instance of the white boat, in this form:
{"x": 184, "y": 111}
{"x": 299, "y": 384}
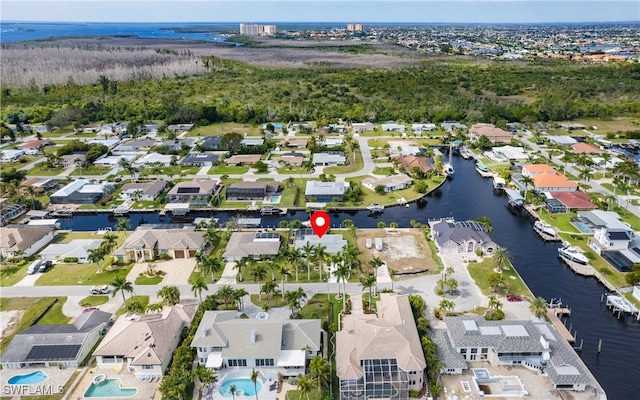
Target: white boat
{"x": 572, "y": 254}
{"x": 545, "y": 228}
{"x": 375, "y": 208}
{"x": 448, "y": 167}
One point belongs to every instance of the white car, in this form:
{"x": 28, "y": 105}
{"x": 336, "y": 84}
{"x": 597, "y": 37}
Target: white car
{"x": 100, "y": 289}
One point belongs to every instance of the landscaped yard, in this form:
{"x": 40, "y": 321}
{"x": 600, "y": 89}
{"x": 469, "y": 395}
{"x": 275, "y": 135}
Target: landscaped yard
{"x": 10, "y": 274}
{"x": 228, "y": 170}
{"x": 370, "y": 197}
{"x": 350, "y": 167}
{"x": 41, "y": 170}
{"x": 80, "y": 274}
{"x": 91, "y": 170}
{"x": 148, "y": 280}
{"x": 512, "y": 283}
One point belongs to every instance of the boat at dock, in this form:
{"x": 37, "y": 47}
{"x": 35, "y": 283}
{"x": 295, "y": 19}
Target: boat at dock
{"x": 271, "y": 210}
{"x": 483, "y": 170}
{"x": 375, "y": 208}
{"x": 572, "y": 254}
{"x": 448, "y": 167}
{"x": 545, "y": 230}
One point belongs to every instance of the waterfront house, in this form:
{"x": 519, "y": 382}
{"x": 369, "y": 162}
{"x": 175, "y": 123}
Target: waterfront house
{"x": 76, "y": 251}
{"x": 147, "y": 242}
{"x": 24, "y": 240}
{"x": 465, "y": 237}
{"x": 147, "y": 191}
{"x": 325, "y": 191}
{"x": 197, "y": 191}
{"x": 9, "y": 212}
{"x": 329, "y": 158}
{"x": 271, "y": 346}
{"x": 205, "y": 159}
{"x": 527, "y": 344}
{"x": 80, "y": 191}
{"x": 408, "y": 163}
{"x": 380, "y": 355}
{"x": 389, "y": 183}
{"x": 251, "y": 244}
{"x": 509, "y": 152}
{"x": 398, "y": 149}
{"x": 491, "y": 132}
{"x": 40, "y": 185}
{"x": 359, "y": 127}
{"x": 251, "y": 190}
{"x": 143, "y": 344}
{"x": 332, "y": 243}
{"x": 243, "y": 159}
{"x": 546, "y": 179}
{"x": 585, "y": 148}
{"x": 63, "y": 345}
{"x": 153, "y": 159}
{"x": 566, "y": 201}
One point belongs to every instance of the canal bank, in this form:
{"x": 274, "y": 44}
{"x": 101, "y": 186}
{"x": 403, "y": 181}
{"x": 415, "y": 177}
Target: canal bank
{"x": 469, "y": 196}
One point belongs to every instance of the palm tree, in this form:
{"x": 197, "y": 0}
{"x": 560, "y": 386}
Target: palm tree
{"x": 254, "y": 378}
{"x": 526, "y": 181}
{"x": 233, "y": 389}
{"x": 309, "y": 250}
{"x": 258, "y": 273}
{"x": 494, "y": 303}
{"x": 211, "y": 265}
{"x": 206, "y": 376}
{"x": 238, "y": 296}
{"x": 305, "y": 385}
{"x": 96, "y": 255}
{"x": 241, "y": 263}
{"x": 375, "y": 263}
{"x": 225, "y": 293}
{"x": 210, "y": 236}
{"x": 350, "y": 255}
{"x": 501, "y": 258}
{"x": 309, "y": 167}
{"x": 538, "y": 307}
{"x": 293, "y": 256}
{"x": 320, "y": 255}
{"x": 121, "y": 284}
{"x": 170, "y": 295}
{"x": 154, "y": 307}
{"x": 368, "y": 282}
{"x": 198, "y": 285}
{"x": 123, "y": 225}
{"x": 31, "y": 191}
{"x": 319, "y": 368}
{"x": 452, "y": 284}
{"x": 447, "y": 305}
{"x": 294, "y": 300}
{"x": 109, "y": 240}
{"x": 270, "y": 288}
{"x": 285, "y": 273}
{"x": 341, "y": 272}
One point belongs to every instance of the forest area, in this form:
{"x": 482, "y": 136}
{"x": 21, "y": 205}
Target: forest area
{"x": 231, "y": 91}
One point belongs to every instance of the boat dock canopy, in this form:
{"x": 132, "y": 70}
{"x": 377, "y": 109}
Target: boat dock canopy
{"x": 248, "y": 222}
{"x": 514, "y": 197}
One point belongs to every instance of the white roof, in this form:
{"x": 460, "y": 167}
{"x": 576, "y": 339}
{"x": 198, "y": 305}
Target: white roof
{"x": 153, "y": 158}
{"x": 214, "y": 360}
{"x": 77, "y": 248}
{"x": 114, "y": 160}
{"x": 512, "y": 153}
{"x": 563, "y": 140}
{"x": 71, "y": 188}
{"x": 289, "y": 358}
{"x": 92, "y": 188}
{"x": 43, "y": 222}
{"x": 333, "y": 243}
{"x": 176, "y": 206}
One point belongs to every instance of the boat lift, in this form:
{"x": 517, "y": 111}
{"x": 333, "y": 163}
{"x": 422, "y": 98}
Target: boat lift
{"x": 515, "y": 198}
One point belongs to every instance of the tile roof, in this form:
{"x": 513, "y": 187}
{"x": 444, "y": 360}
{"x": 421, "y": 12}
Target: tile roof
{"x": 408, "y": 162}
{"x": 149, "y": 237}
{"x": 552, "y": 180}
{"x": 574, "y": 199}
{"x": 21, "y": 237}
{"x": 582, "y": 148}
{"x": 243, "y": 244}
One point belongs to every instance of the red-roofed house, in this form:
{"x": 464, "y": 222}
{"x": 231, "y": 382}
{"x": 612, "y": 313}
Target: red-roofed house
{"x": 553, "y": 182}
{"x": 410, "y": 162}
{"x": 575, "y": 200}
{"x": 585, "y": 148}
{"x": 34, "y": 144}
{"x": 495, "y": 135}
{"x": 535, "y": 169}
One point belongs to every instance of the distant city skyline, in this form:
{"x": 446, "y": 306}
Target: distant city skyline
{"x": 347, "y": 11}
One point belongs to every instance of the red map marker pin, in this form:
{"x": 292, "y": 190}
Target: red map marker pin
{"x": 320, "y": 222}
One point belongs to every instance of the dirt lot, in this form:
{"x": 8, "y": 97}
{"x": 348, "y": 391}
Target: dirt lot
{"x": 8, "y": 320}
{"x": 404, "y": 250}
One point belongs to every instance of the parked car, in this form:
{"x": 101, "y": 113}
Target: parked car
{"x": 514, "y": 297}
{"x": 100, "y": 289}
{"x": 86, "y": 310}
{"x": 33, "y": 268}
{"x": 45, "y": 266}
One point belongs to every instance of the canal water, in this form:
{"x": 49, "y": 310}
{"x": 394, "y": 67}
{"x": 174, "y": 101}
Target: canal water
{"x": 469, "y": 196}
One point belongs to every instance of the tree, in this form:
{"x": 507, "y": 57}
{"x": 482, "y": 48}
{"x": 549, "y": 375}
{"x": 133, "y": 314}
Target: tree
{"x": 261, "y": 166}
{"x": 170, "y": 295}
{"x": 198, "y": 285}
{"x": 254, "y": 378}
{"x": 233, "y": 389}
{"x": 305, "y": 385}
{"x": 154, "y": 307}
{"x": 452, "y": 284}
{"x": 308, "y": 250}
{"x": 270, "y": 288}
{"x": 320, "y": 371}
{"x": 211, "y": 265}
{"x": 206, "y": 377}
{"x": 294, "y": 299}
{"x": 285, "y": 273}
{"x": 96, "y": 255}
{"x": 109, "y": 240}
{"x": 526, "y": 181}
{"x": 538, "y": 307}
{"x": 226, "y": 294}
{"x": 121, "y": 284}
{"x": 368, "y": 282}
{"x": 231, "y": 141}
{"x": 495, "y": 280}
{"x": 123, "y": 225}
{"x": 501, "y": 258}
{"x": 238, "y": 297}
{"x": 494, "y": 303}
{"x": 341, "y": 272}
{"x": 239, "y": 265}
{"x": 309, "y": 166}
{"x": 446, "y": 305}
{"x": 381, "y": 225}
{"x": 258, "y": 272}
{"x": 320, "y": 255}
{"x": 375, "y": 263}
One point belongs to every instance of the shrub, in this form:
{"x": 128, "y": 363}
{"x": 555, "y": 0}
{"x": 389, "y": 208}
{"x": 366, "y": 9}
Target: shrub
{"x": 495, "y": 315}
{"x": 70, "y": 259}
{"x": 414, "y": 393}
{"x": 293, "y": 380}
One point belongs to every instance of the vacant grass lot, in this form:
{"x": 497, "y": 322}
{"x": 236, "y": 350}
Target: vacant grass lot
{"x": 513, "y": 284}
{"x": 228, "y": 170}
{"x": 80, "y": 274}
{"x": 226, "y": 127}
{"x": 33, "y": 309}
{"x": 54, "y": 314}
{"x": 91, "y": 170}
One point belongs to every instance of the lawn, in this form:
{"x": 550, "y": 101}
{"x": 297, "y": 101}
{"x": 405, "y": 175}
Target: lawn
{"x": 144, "y": 300}
{"x": 289, "y": 197}
{"x": 217, "y": 250}
{"x": 314, "y": 394}
{"x": 218, "y": 129}
{"x": 148, "y": 280}
{"x": 276, "y": 301}
{"x": 350, "y": 167}
{"x": 607, "y": 126}
{"x": 24, "y": 161}
{"x": 560, "y": 221}
{"x": 92, "y": 301}
{"x": 370, "y": 197}
{"x": 289, "y": 170}
{"x": 384, "y": 171}
{"x": 10, "y": 274}
{"x": 33, "y": 309}
{"x": 41, "y": 170}
{"x": 91, "y": 170}
{"x": 54, "y": 314}
{"x": 317, "y": 307}
{"x": 513, "y": 284}
{"x": 81, "y": 274}
{"x": 228, "y": 170}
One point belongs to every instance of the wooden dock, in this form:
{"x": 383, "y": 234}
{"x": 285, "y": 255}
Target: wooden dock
{"x": 580, "y": 269}
{"x": 545, "y": 236}
{"x": 553, "y": 314}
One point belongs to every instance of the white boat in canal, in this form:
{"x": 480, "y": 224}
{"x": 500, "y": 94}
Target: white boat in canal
{"x": 375, "y": 208}
{"x": 448, "y": 167}
{"x": 545, "y": 228}
{"x": 572, "y": 254}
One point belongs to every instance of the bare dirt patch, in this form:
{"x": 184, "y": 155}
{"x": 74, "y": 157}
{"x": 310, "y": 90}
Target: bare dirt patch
{"x": 405, "y": 251}
{"x": 8, "y": 321}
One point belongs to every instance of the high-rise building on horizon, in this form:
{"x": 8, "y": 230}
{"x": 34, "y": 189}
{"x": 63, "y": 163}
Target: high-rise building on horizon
{"x": 251, "y": 29}
{"x": 355, "y": 27}
{"x": 269, "y": 29}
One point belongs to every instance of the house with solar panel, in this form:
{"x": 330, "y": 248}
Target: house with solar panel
{"x": 252, "y": 244}
{"x": 533, "y": 345}
{"x": 65, "y": 345}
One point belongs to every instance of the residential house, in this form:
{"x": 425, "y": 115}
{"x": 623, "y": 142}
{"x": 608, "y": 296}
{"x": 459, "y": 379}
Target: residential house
{"x": 178, "y": 144}
{"x": 251, "y": 244}
{"x": 197, "y": 191}
{"x": 359, "y": 127}
{"x": 331, "y": 141}
{"x": 32, "y": 147}
{"x": 566, "y": 201}
{"x": 243, "y": 159}
{"x": 80, "y": 191}
{"x": 332, "y": 243}
{"x": 419, "y": 128}
{"x": 293, "y": 159}
{"x": 546, "y": 179}
{"x": 562, "y": 140}
{"x": 211, "y": 142}
{"x": 585, "y": 148}
{"x": 205, "y": 159}
{"x": 300, "y": 127}
{"x": 337, "y": 128}
{"x": 147, "y": 242}
{"x": 271, "y": 346}
{"x": 452, "y": 126}
{"x": 76, "y": 251}
{"x": 612, "y": 238}
{"x": 249, "y": 141}
{"x": 380, "y": 355}
{"x": 9, "y": 212}
{"x": 393, "y": 127}
{"x": 508, "y": 152}
{"x": 147, "y": 191}
{"x": 526, "y": 344}
{"x": 277, "y": 127}
{"x": 329, "y": 158}
{"x": 251, "y": 190}
{"x": 63, "y": 345}
{"x": 295, "y": 143}
{"x": 389, "y": 183}
{"x": 73, "y": 160}
{"x": 491, "y": 132}
{"x": 572, "y": 127}
{"x": 135, "y": 145}
{"x": 325, "y": 191}
{"x": 463, "y": 237}
{"x": 179, "y": 128}
{"x": 110, "y": 143}
{"x": 143, "y": 344}
{"x": 408, "y": 163}
{"x": 40, "y": 185}
{"x": 154, "y": 159}
{"x": 24, "y": 240}
{"x": 11, "y": 155}
{"x": 113, "y": 161}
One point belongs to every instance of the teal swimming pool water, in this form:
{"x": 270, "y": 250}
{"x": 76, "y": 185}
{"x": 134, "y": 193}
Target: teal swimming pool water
{"x": 244, "y": 384}
{"x": 109, "y": 388}
{"x": 28, "y": 379}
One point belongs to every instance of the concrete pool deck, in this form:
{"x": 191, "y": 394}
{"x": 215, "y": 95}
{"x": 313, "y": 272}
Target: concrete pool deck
{"x": 54, "y": 384}
{"x": 146, "y": 389}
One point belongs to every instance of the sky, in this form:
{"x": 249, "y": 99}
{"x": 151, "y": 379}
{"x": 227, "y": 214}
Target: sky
{"x": 357, "y": 11}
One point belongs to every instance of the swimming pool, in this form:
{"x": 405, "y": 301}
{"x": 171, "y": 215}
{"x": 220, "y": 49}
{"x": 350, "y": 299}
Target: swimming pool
{"x": 242, "y": 384}
{"x": 109, "y": 388}
{"x": 28, "y": 379}
{"x": 275, "y": 199}
{"x": 380, "y": 390}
